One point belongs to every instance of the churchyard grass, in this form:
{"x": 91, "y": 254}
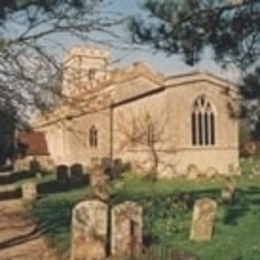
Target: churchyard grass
{"x": 52, "y": 214}
{"x": 167, "y": 209}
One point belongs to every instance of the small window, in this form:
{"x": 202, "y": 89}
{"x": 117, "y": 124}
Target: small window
{"x": 91, "y": 74}
{"x": 93, "y": 137}
{"x": 202, "y": 123}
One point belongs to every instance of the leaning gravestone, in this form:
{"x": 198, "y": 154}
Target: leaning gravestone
{"x": 126, "y": 229}
{"x": 203, "y": 219}
{"x": 89, "y": 231}
{"x": 62, "y": 174}
{"x": 29, "y": 191}
{"x": 228, "y": 190}
{"x": 99, "y": 183}
{"x": 192, "y": 172}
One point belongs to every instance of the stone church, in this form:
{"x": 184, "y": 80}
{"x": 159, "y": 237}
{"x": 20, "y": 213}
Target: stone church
{"x": 175, "y": 125}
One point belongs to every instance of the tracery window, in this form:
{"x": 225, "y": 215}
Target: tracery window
{"x": 203, "y": 122}
{"x": 93, "y": 136}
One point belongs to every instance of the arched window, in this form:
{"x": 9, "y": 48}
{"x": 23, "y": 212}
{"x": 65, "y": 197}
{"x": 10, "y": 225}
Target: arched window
{"x": 202, "y": 123}
{"x": 91, "y": 74}
{"x": 93, "y": 136}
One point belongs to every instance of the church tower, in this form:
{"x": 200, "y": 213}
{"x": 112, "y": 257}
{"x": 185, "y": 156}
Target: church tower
{"x": 83, "y": 66}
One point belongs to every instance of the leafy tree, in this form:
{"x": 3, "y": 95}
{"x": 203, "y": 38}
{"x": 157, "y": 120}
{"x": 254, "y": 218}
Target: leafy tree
{"x": 229, "y": 28}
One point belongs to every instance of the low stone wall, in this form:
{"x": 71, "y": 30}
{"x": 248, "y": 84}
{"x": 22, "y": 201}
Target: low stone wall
{"x": 34, "y": 163}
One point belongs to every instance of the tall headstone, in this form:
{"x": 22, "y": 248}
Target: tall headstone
{"x": 203, "y": 220}
{"x": 126, "y": 229}
{"x": 76, "y": 173}
{"x": 228, "y": 190}
{"x": 89, "y": 231}
{"x": 29, "y": 190}
{"x": 62, "y": 174}
{"x": 99, "y": 183}
{"x": 192, "y": 172}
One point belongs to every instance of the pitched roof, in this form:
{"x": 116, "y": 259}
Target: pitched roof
{"x": 33, "y": 143}
{"x": 199, "y": 75}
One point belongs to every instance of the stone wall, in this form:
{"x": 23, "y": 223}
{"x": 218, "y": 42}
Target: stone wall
{"x": 31, "y": 163}
{"x": 171, "y": 111}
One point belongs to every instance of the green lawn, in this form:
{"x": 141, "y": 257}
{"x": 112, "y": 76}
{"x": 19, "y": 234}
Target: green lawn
{"x": 167, "y": 214}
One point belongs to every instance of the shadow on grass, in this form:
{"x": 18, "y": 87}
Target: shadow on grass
{"x": 53, "y": 218}
{"x": 21, "y": 175}
{"x": 11, "y": 177}
{"x": 11, "y": 194}
{"x": 53, "y": 186}
{"x": 173, "y": 203}
{"x": 21, "y": 239}
{"x": 233, "y": 213}
{"x": 182, "y": 198}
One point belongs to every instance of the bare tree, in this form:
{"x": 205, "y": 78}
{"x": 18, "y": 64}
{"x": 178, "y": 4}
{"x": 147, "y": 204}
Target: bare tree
{"x": 145, "y": 133}
{"x": 33, "y": 36}
{"x": 33, "y": 33}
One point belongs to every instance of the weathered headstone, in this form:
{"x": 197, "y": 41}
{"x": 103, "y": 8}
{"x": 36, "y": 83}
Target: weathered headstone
{"x": 99, "y": 183}
{"x": 228, "y": 190}
{"x": 89, "y": 230}
{"x": 211, "y": 172}
{"x": 192, "y": 172}
{"x": 126, "y": 229}
{"x": 76, "y": 173}
{"x": 203, "y": 220}
{"x": 62, "y": 174}
{"x": 29, "y": 191}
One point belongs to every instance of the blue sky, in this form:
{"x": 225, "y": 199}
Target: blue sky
{"x": 168, "y": 64}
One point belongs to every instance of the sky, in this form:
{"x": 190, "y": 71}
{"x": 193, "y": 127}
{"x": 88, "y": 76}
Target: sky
{"x": 170, "y": 65}
{"x": 124, "y": 54}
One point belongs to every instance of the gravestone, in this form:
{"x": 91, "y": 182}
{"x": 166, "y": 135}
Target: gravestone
{"x": 76, "y": 173}
{"x": 99, "y": 183}
{"x": 228, "y": 190}
{"x": 203, "y": 220}
{"x": 211, "y": 172}
{"x": 29, "y": 191}
{"x": 89, "y": 231}
{"x": 126, "y": 229}
{"x": 192, "y": 172}
{"x": 62, "y": 174}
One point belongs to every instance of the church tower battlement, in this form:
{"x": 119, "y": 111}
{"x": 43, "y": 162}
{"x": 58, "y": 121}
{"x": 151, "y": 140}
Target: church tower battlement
{"x": 82, "y": 67}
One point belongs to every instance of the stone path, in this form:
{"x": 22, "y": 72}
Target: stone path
{"x": 19, "y": 238}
